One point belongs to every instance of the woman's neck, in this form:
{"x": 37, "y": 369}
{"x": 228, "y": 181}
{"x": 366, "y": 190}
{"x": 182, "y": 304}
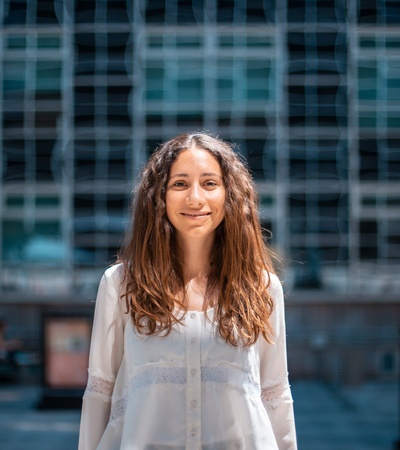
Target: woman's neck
{"x": 196, "y": 258}
{"x": 196, "y": 268}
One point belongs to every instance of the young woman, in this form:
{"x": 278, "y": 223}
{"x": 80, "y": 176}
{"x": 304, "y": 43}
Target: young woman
{"x": 188, "y": 348}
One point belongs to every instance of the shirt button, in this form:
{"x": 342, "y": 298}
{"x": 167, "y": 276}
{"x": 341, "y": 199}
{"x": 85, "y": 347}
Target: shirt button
{"x": 193, "y": 403}
{"x": 193, "y": 433}
{"x": 193, "y": 372}
{"x": 193, "y": 340}
{"x": 192, "y": 316}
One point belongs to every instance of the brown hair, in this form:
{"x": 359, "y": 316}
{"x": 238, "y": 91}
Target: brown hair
{"x": 241, "y": 262}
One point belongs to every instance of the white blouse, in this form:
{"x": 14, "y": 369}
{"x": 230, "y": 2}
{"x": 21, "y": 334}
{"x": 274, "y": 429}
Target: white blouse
{"x": 189, "y": 390}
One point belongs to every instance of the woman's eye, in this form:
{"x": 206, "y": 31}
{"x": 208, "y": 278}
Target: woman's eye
{"x": 179, "y": 184}
{"x": 210, "y": 183}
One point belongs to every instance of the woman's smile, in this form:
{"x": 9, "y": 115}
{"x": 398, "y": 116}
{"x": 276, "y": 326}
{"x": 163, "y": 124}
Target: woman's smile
{"x": 196, "y": 215}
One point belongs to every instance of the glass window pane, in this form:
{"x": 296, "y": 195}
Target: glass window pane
{"x": 48, "y": 75}
{"x": 14, "y": 76}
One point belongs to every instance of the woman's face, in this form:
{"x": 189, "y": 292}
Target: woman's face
{"x": 195, "y": 196}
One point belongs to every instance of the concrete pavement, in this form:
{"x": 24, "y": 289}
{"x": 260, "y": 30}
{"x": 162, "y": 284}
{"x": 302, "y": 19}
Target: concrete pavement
{"x": 328, "y": 418}
{"x": 23, "y": 427}
{"x": 346, "y": 418}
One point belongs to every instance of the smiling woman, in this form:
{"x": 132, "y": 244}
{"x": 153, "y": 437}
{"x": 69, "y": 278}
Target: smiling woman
{"x": 188, "y": 348}
{"x": 195, "y": 197}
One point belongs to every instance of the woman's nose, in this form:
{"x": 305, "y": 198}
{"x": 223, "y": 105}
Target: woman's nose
{"x": 195, "y": 196}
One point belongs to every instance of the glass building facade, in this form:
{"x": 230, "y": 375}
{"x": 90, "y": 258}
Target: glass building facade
{"x": 309, "y": 90}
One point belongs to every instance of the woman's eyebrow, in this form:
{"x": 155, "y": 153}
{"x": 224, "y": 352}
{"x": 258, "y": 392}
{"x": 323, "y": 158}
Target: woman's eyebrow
{"x": 205, "y": 174}
{"x": 211, "y": 174}
{"x": 179, "y": 175}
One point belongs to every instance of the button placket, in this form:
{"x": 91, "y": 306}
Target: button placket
{"x": 193, "y": 393}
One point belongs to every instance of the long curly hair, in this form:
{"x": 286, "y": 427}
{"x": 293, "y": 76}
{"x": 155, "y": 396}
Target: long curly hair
{"x": 241, "y": 262}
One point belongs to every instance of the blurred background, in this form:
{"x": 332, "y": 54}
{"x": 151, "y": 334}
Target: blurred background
{"x": 310, "y": 92}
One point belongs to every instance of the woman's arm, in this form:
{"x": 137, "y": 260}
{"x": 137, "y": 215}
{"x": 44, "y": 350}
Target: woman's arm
{"x": 275, "y": 389}
{"x": 106, "y": 351}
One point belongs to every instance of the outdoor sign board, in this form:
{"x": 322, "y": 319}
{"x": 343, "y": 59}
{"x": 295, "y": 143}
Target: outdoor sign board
{"x": 66, "y": 341}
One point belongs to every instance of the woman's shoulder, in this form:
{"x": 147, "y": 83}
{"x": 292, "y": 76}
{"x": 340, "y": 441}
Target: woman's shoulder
{"x": 274, "y": 284}
{"x": 273, "y": 280}
{"x": 114, "y": 275}
{"x": 116, "y": 270}
{"x": 111, "y": 285}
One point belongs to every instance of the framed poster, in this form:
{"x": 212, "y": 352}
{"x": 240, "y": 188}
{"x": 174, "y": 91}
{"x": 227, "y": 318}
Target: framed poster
{"x": 66, "y": 351}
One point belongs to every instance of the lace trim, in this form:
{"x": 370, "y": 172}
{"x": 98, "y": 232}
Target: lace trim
{"x": 148, "y": 376}
{"x": 226, "y": 375}
{"x": 100, "y": 385}
{"x": 214, "y": 375}
{"x": 118, "y": 409}
{"x": 161, "y": 376}
{"x": 276, "y": 392}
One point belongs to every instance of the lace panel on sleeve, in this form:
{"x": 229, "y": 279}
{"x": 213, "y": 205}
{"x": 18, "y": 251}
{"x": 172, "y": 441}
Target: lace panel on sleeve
{"x": 100, "y": 385}
{"x": 275, "y": 392}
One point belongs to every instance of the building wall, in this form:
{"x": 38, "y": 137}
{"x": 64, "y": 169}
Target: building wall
{"x": 309, "y": 90}
{"x": 341, "y": 341}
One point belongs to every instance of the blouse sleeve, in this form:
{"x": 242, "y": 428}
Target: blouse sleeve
{"x": 275, "y": 390}
{"x": 106, "y": 351}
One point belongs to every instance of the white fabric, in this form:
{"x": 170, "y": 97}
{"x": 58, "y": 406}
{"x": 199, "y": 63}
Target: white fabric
{"x": 190, "y": 390}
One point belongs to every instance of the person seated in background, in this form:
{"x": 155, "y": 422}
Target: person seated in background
{"x": 8, "y": 352}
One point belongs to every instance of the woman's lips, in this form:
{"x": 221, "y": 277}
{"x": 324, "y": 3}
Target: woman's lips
{"x": 196, "y": 215}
